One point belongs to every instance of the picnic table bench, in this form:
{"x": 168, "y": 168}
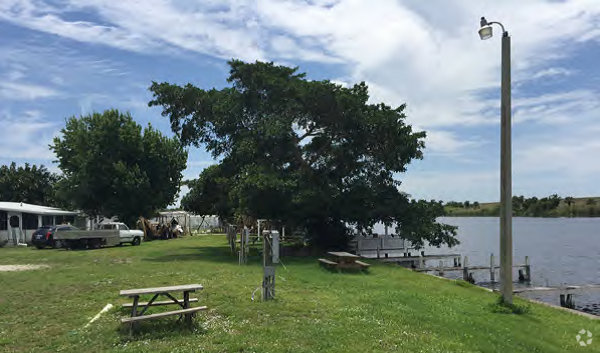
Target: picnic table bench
{"x": 343, "y": 261}
{"x": 185, "y": 311}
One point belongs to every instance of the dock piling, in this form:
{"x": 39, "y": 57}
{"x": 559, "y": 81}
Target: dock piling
{"x": 566, "y": 301}
{"x": 492, "y": 269}
{"x": 527, "y": 269}
{"x": 570, "y": 301}
{"x": 471, "y": 279}
{"x": 466, "y": 269}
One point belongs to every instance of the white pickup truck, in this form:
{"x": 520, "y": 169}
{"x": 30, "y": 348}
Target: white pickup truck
{"x": 132, "y": 236}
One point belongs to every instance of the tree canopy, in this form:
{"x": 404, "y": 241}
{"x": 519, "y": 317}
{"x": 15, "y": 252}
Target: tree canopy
{"x": 209, "y": 194}
{"x": 112, "y": 168}
{"x": 29, "y": 183}
{"x": 311, "y": 154}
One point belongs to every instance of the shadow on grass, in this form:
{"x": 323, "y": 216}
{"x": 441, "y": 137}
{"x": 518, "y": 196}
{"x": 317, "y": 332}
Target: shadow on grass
{"x": 160, "y": 329}
{"x": 217, "y": 254}
{"x": 221, "y": 254}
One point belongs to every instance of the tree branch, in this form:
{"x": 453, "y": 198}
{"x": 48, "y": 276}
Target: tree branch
{"x": 308, "y": 133}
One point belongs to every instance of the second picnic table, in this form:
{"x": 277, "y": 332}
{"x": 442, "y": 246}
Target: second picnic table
{"x": 138, "y": 315}
{"x": 344, "y": 260}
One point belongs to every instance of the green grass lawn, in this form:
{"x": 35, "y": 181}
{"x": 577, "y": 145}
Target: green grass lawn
{"x": 389, "y": 309}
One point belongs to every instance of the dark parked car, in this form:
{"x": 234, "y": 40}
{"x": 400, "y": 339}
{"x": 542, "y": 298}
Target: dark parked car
{"x": 44, "y": 236}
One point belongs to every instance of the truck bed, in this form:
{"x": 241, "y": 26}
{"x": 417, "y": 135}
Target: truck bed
{"x": 86, "y": 234}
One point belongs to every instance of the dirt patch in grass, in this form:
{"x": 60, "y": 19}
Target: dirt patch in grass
{"x": 10, "y": 268}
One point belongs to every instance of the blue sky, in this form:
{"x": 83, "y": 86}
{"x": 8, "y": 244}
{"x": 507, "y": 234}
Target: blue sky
{"x": 60, "y": 58}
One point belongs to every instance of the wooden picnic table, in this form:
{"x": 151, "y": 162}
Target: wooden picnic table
{"x": 344, "y": 260}
{"x": 138, "y": 309}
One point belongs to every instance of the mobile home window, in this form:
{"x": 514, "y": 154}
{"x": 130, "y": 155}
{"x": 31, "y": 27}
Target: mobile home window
{"x": 3, "y": 220}
{"x": 30, "y": 221}
{"x": 47, "y": 220}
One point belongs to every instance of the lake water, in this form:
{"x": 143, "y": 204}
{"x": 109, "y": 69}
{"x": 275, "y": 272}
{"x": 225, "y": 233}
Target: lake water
{"x": 562, "y": 251}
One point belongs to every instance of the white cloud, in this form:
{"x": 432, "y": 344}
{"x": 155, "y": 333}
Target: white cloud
{"x": 287, "y": 48}
{"x": 405, "y": 50}
{"x": 572, "y": 157}
{"x": 25, "y": 91}
{"x": 452, "y": 186}
{"x": 224, "y": 28}
{"x": 578, "y": 106}
{"x": 447, "y": 143}
{"x": 431, "y": 62}
{"x": 551, "y": 72}
{"x": 27, "y": 136}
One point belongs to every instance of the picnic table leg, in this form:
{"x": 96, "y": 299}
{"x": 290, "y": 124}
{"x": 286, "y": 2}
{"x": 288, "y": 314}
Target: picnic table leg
{"x": 186, "y": 305}
{"x": 133, "y": 325}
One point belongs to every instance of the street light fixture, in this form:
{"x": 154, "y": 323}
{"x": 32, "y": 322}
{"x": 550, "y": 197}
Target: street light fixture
{"x": 485, "y": 32}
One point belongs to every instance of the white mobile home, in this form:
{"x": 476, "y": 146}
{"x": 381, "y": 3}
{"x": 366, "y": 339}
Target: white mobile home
{"x": 19, "y": 220}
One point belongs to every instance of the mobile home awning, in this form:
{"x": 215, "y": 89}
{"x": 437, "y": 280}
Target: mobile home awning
{"x": 34, "y": 209}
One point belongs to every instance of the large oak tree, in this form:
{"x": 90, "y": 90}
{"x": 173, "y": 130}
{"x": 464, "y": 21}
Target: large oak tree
{"x": 312, "y": 154}
{"x": 113, "y": 168}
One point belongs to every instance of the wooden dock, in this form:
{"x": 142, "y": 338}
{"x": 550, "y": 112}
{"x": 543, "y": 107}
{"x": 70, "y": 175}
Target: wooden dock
{"x": 418, "y": 265}
{"x": 553, "y": 289}
{"x": 417, "y": 258}
{"x": 474, "y": 268}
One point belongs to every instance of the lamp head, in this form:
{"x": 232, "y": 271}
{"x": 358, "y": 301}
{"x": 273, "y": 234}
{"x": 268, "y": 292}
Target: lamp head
{"x": 485, "y": 32}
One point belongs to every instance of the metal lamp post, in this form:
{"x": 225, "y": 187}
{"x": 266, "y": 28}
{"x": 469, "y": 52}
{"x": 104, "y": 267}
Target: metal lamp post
{"x": 506, "y": 255}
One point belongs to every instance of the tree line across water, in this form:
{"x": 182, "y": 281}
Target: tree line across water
{"x": 551, "y": 206}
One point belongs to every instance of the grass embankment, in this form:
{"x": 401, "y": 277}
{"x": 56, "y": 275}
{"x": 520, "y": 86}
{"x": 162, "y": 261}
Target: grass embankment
{"x": 391, "y": 309}
{"x": 579, "y": 208}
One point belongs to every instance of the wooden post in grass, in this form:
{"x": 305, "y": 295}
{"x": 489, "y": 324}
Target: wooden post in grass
{"x": 441, "y": 268}
{"x": 244, "y": 249}
{"x": 466, "y": 269}
{"x": 268, "y": 284}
